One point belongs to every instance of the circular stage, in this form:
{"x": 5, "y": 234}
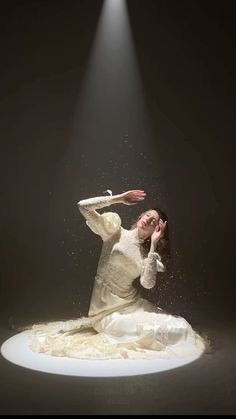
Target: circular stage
{"x": 16, "y": 350}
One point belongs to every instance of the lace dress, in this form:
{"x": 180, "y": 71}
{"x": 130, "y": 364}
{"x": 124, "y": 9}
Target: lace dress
{"x": 120, "y": 323}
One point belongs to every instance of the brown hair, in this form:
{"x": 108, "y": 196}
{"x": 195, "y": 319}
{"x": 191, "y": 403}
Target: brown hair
{"x": 163, "y": 246}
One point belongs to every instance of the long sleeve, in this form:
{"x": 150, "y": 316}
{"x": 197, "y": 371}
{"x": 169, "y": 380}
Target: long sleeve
{"x": 151, "y": 265}
{"x": 105, "y": 224}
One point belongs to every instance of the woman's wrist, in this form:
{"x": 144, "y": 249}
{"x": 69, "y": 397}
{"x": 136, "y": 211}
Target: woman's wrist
{"x": 153, "y": 247}
{"x": 116, "y": 199}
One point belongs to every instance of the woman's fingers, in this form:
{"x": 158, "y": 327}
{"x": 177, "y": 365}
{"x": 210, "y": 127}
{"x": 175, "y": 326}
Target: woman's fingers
{"x": 134, "y": 196}
{"x": 139, "y": 195}
{"x": 137, "y": 192}
{"x": 162, "y": 224}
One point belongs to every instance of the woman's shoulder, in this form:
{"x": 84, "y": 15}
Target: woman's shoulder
{"x": 111, "y": 221}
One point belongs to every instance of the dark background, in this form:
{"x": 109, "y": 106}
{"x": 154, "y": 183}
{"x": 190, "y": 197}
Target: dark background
{"x": 186, "y": 57}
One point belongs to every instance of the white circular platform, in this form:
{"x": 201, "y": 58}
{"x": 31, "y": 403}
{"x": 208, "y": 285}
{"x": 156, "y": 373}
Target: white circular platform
{"x": 16, "y": 350}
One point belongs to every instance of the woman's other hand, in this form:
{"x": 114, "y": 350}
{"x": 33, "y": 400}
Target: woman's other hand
{"x": 158, "y": 232}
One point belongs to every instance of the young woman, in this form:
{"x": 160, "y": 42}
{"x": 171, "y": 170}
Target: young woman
{"x": 120, "y": 322}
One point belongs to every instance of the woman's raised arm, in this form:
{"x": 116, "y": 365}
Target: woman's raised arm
{"x": 107, "y": 223}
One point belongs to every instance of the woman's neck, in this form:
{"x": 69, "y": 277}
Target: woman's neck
{"x": 141, "y": 234}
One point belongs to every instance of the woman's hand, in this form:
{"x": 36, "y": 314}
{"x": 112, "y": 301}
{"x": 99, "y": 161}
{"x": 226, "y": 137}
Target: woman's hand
{"x": 158, "y": 232}
{"x": 132, "y": 197}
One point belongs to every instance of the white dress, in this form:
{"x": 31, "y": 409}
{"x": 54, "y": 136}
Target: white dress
{"x": 120, "y": 323}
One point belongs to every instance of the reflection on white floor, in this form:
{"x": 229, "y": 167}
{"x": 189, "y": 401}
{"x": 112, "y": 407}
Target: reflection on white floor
{"x": 16, "y": 350}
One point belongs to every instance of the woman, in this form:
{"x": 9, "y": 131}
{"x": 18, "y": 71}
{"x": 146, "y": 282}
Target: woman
{"x": 120, "y": 323}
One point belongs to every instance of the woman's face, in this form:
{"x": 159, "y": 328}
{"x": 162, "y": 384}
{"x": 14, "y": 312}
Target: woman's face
{"x": 148, "y": 221}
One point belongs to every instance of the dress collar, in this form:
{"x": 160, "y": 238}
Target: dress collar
{"x": 134, "y": 234}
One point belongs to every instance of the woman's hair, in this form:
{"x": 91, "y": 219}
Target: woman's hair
{"x": 163, "y": 245}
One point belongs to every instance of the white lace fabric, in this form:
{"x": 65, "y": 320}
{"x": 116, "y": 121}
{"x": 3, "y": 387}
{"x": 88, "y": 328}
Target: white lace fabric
{"x": 120, "y": 324}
